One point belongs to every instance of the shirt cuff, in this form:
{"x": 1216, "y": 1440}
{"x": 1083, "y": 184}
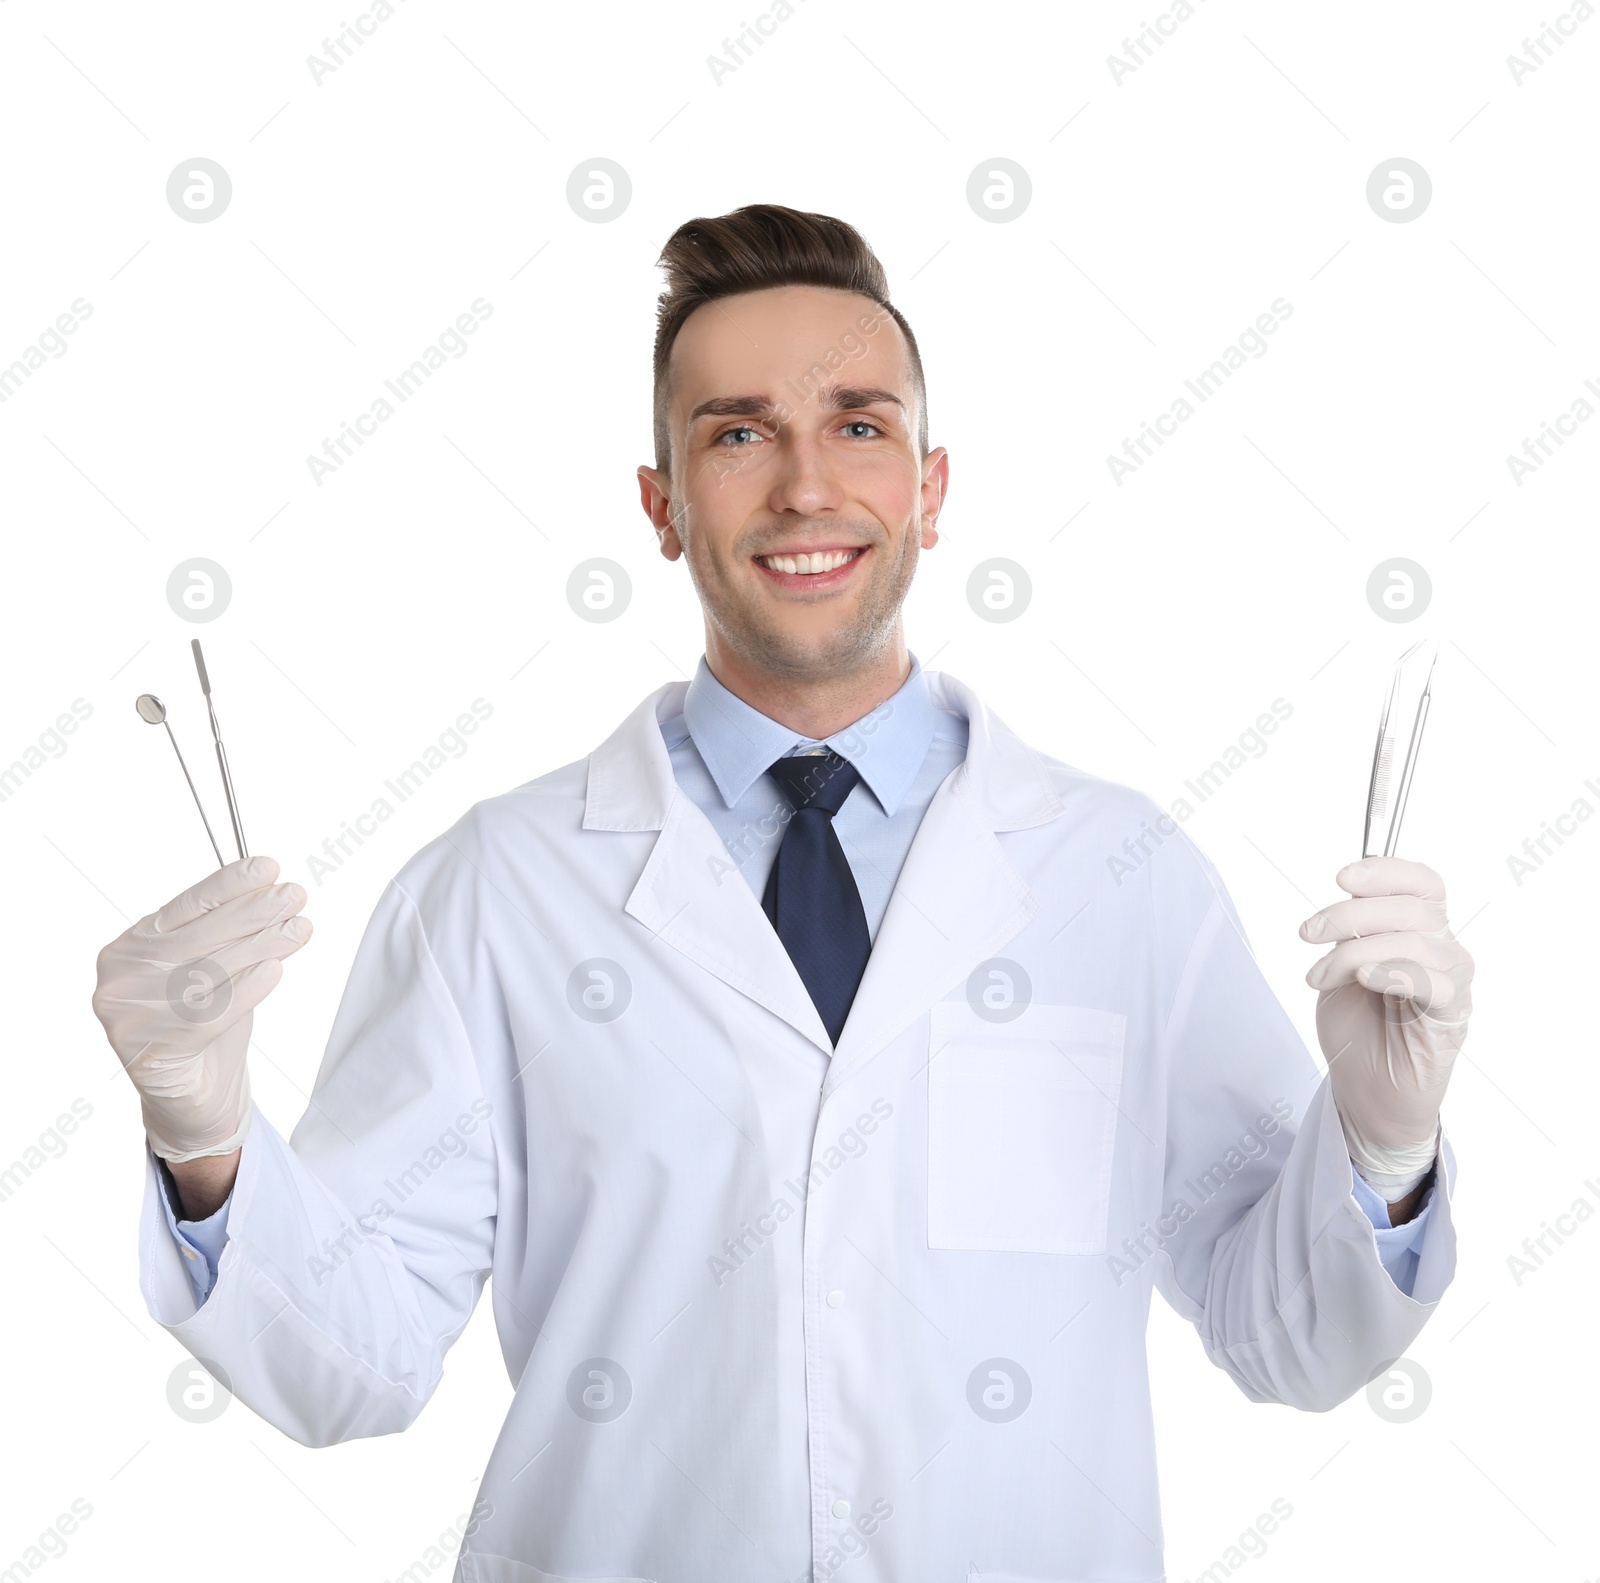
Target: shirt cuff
{"x": 1397, "y": 1245}
{"x": 200, "y": 1241}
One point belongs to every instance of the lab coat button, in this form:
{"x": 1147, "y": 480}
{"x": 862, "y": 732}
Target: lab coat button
{"x": 835, "y": 1299}
{"x": 841, "y": 1508}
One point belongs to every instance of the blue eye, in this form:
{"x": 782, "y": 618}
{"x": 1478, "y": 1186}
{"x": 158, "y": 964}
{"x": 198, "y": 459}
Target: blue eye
{"x": 862, "y": 423}
{"x": 742, "y": 429}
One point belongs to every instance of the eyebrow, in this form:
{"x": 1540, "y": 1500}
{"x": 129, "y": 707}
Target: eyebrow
{"x": 831, "y": 398}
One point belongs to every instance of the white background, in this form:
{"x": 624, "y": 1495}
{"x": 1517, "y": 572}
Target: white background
{"x": 1168, "y": 611}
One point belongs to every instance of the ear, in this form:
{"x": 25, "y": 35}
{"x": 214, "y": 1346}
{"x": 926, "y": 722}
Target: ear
{"x": 935, "y": 486}
{"x": 655, "y": 495}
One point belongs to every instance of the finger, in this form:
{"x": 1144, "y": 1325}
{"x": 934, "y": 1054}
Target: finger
{"x": 1364, "y": 915}
{"x": 209, "y": 1007}
{"x": 251, "y": 986}
{"x": 1339, "y": 966}
{"x": 270, "y": 945}
{"x": 1390, "y": 876}
{"x": 210, "y": 994}
{"x": 1424, "y": 988}
{"x": 201, "y": 972}
{"x": 229, "y": 881}
{"x": 238, "y": 919}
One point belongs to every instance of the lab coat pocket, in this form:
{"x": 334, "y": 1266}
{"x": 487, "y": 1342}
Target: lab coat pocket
{"x": 502, "y": 1569}
{"x": 1022, "y": 1117}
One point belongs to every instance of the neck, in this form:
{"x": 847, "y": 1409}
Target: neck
{"x": 816, "y": 706}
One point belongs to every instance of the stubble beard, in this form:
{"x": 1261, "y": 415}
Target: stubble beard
{"x": 860, "y": 638}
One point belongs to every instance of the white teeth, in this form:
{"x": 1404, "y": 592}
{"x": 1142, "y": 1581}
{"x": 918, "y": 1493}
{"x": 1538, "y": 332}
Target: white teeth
{"x": 809, "y": 565}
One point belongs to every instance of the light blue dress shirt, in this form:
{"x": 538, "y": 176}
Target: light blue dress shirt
{"x": 720, "y": 748}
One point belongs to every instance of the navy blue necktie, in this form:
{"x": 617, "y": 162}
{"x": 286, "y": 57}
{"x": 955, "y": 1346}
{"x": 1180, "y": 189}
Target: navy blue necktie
{"x": 811, "y": 895}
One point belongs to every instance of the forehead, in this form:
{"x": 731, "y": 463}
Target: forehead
{"x": 753, "y": 343}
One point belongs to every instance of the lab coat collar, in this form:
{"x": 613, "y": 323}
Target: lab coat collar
{"x": 738, "y": 742}
{"x": 631, "y": 785}
{"x": 957, "y": 901}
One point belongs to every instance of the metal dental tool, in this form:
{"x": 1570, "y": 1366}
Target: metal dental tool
{"x": 1405, "y": 710}
{"x": 222, "y": 756}
{"x": 154, "y": 712}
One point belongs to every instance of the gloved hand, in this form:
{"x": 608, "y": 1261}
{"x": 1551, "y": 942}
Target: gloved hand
{"x": 177, "y": 993}
{"x": 1396, "y": 992}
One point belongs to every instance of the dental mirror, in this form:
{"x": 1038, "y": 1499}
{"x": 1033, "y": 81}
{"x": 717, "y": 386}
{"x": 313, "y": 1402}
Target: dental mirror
{"x": 153, "y": 712}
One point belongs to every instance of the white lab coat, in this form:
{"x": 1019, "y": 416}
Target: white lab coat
{"x": 926, "y": 1361}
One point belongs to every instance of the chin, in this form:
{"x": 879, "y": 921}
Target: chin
{"x": 815, "y": 653}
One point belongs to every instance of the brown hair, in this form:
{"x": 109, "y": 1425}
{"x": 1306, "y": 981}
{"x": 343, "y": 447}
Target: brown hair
{"x": 754, "y": 248}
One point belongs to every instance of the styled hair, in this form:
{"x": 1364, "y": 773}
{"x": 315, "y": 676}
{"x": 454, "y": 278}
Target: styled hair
{"x": 752, "y": 249}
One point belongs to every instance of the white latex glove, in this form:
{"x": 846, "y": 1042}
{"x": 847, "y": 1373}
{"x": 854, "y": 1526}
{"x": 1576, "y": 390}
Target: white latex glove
{"x": 1396, "y": 992}
{"x": 177, "y": 993}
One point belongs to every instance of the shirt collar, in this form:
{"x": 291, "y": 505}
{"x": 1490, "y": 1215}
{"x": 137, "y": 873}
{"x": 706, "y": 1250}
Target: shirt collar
{"x": 738, "y": 742}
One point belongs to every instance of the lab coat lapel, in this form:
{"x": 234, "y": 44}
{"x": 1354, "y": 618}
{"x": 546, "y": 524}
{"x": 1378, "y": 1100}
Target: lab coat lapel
{"x": 690, "y": 895}
{"x": 958, "y": 899}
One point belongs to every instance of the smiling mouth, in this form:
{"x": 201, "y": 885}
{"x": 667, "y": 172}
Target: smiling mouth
{"x": 812, "y": 564}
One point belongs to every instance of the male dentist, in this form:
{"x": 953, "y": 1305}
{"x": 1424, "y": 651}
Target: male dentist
{"x": 823, "y": 1105}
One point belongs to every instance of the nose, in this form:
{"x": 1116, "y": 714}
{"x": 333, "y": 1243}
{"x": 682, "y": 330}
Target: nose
{"x": 805, "y": 484}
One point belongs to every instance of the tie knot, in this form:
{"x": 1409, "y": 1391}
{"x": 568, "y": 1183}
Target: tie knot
{"x": 815, "y": 780}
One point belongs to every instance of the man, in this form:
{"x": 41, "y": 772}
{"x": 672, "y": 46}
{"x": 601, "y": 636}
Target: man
{"x": 822, "y": 1106}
